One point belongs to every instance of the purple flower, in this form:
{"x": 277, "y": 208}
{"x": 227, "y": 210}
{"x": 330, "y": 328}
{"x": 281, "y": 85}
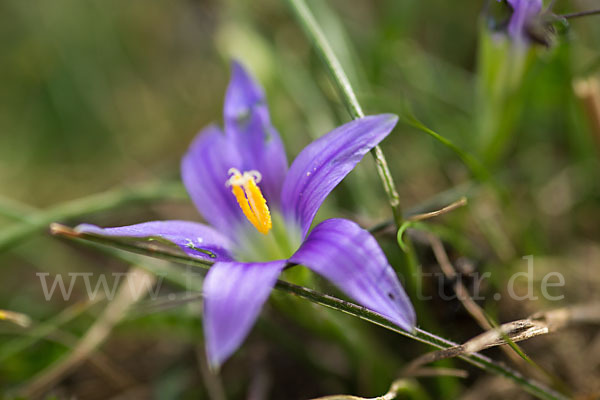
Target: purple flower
{"x": 523, "y": 13}
{"x": 261, "y": 213}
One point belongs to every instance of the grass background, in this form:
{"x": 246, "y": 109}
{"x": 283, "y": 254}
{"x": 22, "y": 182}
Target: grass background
{"x": 96, "y": 95}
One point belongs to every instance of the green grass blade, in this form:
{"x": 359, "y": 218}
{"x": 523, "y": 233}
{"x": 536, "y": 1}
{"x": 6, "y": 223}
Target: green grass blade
{"x": 483, "y": 362}
{"x": 342, "y": 83}
{"x": 33, "y": 223}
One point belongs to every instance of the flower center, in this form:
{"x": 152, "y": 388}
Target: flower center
{"x": 251, "y": 200}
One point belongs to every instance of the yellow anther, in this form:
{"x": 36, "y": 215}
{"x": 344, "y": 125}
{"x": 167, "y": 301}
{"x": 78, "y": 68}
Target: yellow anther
{"x": 238, "y": 192}
{"x": 251, "y": 200}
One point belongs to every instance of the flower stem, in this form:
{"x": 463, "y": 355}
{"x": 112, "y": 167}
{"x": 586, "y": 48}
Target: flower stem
{"x": 341, "y": 81}
{"x": 535, "y": 388}
{"x": 420, "y": 335}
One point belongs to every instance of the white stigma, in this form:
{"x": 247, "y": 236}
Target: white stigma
{"x": 239, "y": 179}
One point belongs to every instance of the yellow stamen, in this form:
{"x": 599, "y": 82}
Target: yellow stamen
{"x": 238, "y": 192}
{"x": 250, "y": 198}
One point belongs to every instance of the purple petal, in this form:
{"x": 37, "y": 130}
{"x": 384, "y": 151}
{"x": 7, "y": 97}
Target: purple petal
{"x": 204, "y": 173}
{"x": 523, "y": 12}
{"x": 234, "y": 295}
{"x": 350, "y": 258}
{"x": 195, "y": 239}
{"x": 248, "y": 125}
{"x": 325, "y": 162}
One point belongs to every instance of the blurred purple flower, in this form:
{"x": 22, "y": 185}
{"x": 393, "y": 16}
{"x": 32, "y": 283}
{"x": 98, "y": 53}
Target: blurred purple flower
{"x": 524, "y": 11}
{"x": 251, "y": 242}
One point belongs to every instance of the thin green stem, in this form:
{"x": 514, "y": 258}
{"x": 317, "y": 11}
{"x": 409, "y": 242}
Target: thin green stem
{"x": 37, "y": 221}
{"x": 580, "y": 14}
{"x": 15, "y": 210}
{"x": 355, "y": 310}
{"x": 318, "y": 39}
{"x": 478, "y": 171}
{"x": 341, "y": 81}
{"x": 420, "y": 335}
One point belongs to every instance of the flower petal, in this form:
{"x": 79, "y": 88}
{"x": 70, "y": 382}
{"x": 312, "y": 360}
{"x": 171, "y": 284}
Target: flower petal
{"x": 350, "y": 258}
{"x": 523, "y": 12}
{"x": 204, "y": 172}
{"x": 234, "y": 295}
{"x": 248, "y": 125}
{"x": 325, "y": 162}
{"x": 195, "y": 239}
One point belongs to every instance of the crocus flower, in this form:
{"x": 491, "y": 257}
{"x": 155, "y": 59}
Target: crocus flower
{"x": 260, "y": 214}
{"x": 524, "y": 11}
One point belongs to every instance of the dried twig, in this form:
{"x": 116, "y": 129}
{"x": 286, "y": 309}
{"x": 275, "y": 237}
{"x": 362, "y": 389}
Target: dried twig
{"x": 463, "y": 294}
{"x": 420, "y": 335}
{"x": 439, "y": 371}
{"x": 453, "y": 206}
{"x": 588, "y": 91}
{"x": 538, "y": 324}
{"x": 212, "y": 381}
{"x": 136, "y": 285}
{"x": 15, "y": 317}
{"x": 396, "y": 388}
{"x": 117, "y": 377}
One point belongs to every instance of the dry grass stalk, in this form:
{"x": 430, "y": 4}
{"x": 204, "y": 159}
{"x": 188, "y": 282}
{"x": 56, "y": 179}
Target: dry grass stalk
{"x": 137, "y": 284}
{"x": 16, "y": 318}
{"x": 516, "y": 331}
{"x": 450, "y": 207}
{"x": 588, "y": 91}
{"x": 463, "y": 294}
{"x": 395, "y": 389}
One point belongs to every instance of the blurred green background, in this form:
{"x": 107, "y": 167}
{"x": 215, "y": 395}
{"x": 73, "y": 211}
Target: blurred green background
{"x": 98, "y": 95}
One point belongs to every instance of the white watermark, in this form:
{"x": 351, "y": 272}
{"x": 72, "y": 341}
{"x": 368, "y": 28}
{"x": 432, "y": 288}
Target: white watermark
{"x": 104, "y": 285}
{"x": 521, "y": 285}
